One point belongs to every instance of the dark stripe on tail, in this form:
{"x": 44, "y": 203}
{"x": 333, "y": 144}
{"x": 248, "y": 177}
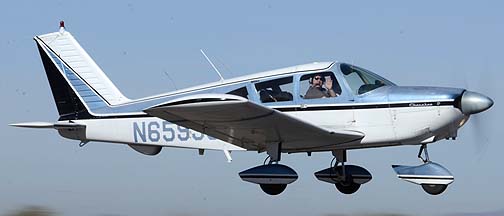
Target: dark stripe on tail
{"x": 69, "y": 106}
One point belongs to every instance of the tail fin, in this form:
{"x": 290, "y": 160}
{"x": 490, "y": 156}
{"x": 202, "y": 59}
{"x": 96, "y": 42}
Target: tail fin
{"x": 78, "y": 85}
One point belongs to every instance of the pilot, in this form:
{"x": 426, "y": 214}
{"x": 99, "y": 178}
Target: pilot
{"x": 317, "y": 89}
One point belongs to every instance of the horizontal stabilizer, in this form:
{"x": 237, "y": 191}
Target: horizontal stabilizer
{"x": 59, "y": 125}
{"x": 33, "y": 125}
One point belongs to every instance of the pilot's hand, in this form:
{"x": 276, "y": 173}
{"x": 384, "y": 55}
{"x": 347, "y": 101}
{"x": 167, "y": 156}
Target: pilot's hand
{"x": 328, "y": 83}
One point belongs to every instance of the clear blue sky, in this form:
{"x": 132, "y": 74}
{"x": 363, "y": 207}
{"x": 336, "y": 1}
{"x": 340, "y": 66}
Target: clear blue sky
{"x": 434, "y": 43}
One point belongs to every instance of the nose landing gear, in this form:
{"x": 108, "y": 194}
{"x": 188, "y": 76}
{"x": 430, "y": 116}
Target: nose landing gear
{"x": 433, "y": 177}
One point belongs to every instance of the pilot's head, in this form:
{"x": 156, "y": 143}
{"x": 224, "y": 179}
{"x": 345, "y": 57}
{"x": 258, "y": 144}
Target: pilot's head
{"x": 317, "y": 80}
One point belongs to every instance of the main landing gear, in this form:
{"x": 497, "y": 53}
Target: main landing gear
{"x": 272, "y": 177}
{"x": 433, "y": 177}
{"x": 346, "y": 178}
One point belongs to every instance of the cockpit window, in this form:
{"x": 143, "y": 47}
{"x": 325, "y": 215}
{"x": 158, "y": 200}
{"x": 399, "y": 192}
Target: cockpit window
{"x": 361, "y": 80}
{"x": 276, "y": 90}
{"x": 319, "y": 85}
{"x": 242, "y": 92}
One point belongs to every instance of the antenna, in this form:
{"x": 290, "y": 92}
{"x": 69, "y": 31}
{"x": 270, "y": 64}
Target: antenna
{"x": 202, "y": 52}
{"x": 171, "y": 80}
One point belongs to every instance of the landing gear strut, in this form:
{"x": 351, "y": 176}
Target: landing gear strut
{"x": 345, "y": 184}
{"x": 423, "y": 149}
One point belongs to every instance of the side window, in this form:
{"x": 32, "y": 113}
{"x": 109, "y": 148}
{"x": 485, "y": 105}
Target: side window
{"x": 276, "y": 90}
{"x": 242, "y": 92}
{"x": 319, "y": 85}
{"x": 361, "y": 80}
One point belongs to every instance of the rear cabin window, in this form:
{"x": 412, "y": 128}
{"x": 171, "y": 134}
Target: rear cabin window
{"x": 276, "y": 90}
{"x": 242, "y": 92}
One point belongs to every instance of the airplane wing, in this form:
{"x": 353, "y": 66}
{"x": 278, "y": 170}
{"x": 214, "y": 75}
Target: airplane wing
{"x": 238, "y": 121}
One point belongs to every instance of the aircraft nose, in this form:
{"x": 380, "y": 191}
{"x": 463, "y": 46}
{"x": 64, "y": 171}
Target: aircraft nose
{"x": 473, "y": 102}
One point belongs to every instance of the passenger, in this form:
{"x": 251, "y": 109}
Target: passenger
{"x": 317, "y": 89}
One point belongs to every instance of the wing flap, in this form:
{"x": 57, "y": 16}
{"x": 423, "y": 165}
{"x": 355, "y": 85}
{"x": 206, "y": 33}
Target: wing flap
{"x": 243, "y": 123}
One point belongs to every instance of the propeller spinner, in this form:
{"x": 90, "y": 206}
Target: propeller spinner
{"x": 473, "y": 102}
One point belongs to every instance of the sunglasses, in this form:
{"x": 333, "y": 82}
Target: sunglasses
{"x": 317, "y": 78}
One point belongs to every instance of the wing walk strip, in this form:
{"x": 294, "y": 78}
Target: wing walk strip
{"x": 204, "y": 100}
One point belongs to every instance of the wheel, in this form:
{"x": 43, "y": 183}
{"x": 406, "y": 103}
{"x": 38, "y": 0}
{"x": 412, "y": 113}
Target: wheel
{"x": 434, "y": 189}
{"x": 347, "y": 187}
{"x": 273, "y": 189}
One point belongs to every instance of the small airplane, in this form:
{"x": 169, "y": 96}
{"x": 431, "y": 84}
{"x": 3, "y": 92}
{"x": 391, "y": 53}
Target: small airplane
{"x": 320, "y": 107}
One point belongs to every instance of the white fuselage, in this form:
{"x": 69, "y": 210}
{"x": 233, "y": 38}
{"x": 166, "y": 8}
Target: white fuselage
{"x": 381, "y": 126}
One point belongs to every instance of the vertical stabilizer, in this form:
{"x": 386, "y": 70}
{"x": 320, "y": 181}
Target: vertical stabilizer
{"x": 78, "y": 85}
{"x": 64, "y": 45}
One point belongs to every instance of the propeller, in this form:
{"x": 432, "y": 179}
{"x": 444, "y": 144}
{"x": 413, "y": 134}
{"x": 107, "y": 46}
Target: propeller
{"x": 472, "y": 104}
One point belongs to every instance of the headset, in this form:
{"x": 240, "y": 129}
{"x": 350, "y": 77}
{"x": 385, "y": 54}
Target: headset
{"x": 314, "y": 75}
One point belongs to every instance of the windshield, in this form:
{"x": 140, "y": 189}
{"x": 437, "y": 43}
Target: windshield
{"x": 361, "y": 80}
